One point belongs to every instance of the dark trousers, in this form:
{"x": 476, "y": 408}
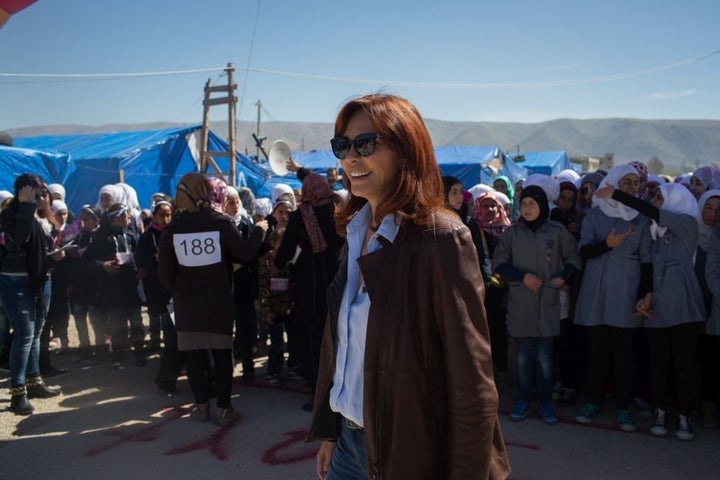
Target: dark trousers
{"x": 203, "y": 376}
{"x": 126, "y": 326}
{"x": 610, "y": 346}
{"x": 571, "y": 346}
{"x": 245, "y": 334}
{"x": 710, "y": 367}
{"x": 677, "y": 345}
{"x": 497, "y": 323}
{"x": 172, "y": 360}
{"x": 276, "y": 356}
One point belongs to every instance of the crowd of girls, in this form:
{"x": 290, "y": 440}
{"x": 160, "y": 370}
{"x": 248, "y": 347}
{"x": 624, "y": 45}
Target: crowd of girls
{"x": 608, "y": 282}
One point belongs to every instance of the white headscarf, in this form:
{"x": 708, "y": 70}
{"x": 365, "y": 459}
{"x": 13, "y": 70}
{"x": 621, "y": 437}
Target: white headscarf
{"x": 4, "y": 195}
{"x": 676, "y": 199}
{"x": 705, "y": 230}
{"x": 282, "y": 189}
{"x": 613, "y": 208}
{"x": 114, "y": 191}
{"x": 479, "y": 189}
{"x": 57, "y": 188}
{"x": 550, "y": 186}
{"x": 568, "y": 175}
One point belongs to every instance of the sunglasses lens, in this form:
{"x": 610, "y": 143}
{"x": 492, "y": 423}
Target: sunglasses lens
{"x": 340, "y": 147}
{"x": 365, "y": 144}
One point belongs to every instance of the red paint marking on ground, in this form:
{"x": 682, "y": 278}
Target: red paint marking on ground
{"x": 215, "y": 443}
{"x": 132, "y": 434}
{"x": 273, "y": 455}
{"x": 527, "y": 446}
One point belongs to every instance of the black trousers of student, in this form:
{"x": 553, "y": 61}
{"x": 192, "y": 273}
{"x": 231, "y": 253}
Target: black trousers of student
{"x": 710, "y": 367}
{"x": 497, "y": 323}
{"x": 202, "y": 375}
{"x": 676, "y": 346}
{"x": 610, "y": 346}
{"x": 571, "y": 354}
{"x": 245, "y": 334}
{"x": 171, "y": 359}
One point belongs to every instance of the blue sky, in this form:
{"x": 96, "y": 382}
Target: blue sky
{"x": 474, "y": 60}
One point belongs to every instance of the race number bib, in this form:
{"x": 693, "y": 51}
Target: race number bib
{"x": 197, "y": 249}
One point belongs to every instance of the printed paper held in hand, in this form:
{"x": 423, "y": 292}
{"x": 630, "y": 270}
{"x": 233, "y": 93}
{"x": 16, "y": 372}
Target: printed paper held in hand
{"x": 67, "y": 246}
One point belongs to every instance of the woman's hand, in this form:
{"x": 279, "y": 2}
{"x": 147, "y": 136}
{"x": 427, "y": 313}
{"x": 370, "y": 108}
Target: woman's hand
{"x": 293, "y": 166}
{"x": 605, "y": 192}
{"x": 615, "y": 239}
{"x": 26, "y": 194}
{"x": 323, "y": 458}
{"x": 111, "y": 267}
{"x": 532, "y": 281}
{"x": 643, "y": 308}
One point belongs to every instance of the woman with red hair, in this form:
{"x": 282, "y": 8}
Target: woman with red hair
{"x": 405, "y": 386}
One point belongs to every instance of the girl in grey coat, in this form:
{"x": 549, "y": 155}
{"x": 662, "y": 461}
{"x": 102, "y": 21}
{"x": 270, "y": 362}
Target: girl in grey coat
{"x": 615, "y": 243}
{"x": 674, "y": 310}
{"x": 536, "y": 257}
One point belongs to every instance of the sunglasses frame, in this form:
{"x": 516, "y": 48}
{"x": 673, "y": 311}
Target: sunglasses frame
{"x": 362, "y": 139}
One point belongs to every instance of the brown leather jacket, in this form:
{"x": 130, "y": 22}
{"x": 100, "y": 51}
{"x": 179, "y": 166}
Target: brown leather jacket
{"x": 430, "y": 402}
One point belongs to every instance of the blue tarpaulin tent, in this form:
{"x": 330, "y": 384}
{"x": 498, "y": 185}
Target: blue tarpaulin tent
{"x": 547, "y": 163}
{"x": 152, "y": 161}
{"x": 477, "y": 164}
{"x": 53, "y": 167}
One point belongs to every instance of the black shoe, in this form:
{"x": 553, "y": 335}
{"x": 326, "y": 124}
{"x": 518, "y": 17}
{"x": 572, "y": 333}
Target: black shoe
{"x": 20, "y": 405}
{"x": 41, "y": 390}
{"x": 51, "y": 371}
{"x": 248, "y": 377}
{"x": 308, "y": 407}
{"x": 167, "y": 387}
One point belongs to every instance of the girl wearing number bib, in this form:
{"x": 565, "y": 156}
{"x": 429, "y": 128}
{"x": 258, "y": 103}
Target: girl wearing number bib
{"x": 110, "y": 254}
{"x": 196, "y": 253}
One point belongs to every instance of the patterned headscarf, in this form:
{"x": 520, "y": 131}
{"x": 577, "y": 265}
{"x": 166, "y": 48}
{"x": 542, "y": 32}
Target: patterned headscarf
{"x": 193, "y": 193}
{"x": 316, "y": 191}
{"x": 218, "y": 194}
{"x": 641, "y": 169}
{"x": 493, "y": 226}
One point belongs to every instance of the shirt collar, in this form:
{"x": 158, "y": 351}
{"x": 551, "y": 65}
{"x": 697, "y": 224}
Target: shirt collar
{"x": 388, "y": 228}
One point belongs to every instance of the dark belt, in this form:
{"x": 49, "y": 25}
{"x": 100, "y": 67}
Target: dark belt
{"x": 351, "y": 425}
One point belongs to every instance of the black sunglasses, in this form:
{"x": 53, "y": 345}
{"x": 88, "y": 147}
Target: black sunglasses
{"x": 364, "y": 145}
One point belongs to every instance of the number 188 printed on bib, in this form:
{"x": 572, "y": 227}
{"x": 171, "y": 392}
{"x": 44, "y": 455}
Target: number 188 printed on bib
{"x": 197, "y": 249}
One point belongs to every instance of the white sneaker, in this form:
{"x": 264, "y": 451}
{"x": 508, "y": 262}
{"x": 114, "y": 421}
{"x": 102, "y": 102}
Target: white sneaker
{"x": 659, "y": 426}
{"x": 685, "y": 430}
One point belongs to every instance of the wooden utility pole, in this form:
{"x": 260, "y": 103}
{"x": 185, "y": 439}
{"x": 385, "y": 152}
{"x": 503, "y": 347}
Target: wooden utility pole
{"x": 258, "y": 104}
{"x": 207, "y": 158}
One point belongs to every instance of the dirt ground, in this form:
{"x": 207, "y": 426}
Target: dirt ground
{"x": 117, "y": 425}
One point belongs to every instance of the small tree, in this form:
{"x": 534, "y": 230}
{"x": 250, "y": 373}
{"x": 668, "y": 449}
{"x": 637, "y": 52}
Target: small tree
{"x": 655, "y": 165}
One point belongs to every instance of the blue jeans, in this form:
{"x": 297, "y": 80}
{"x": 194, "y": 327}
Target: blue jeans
{"x": 26, "y": 315}
{"x": 349, "y": 461}
{"x": 540, "y": 350}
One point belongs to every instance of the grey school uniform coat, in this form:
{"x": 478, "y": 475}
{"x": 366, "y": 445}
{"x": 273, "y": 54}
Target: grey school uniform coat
{"x": 544, "y": 253}
{"x": 712, "y": 275}
{"x": 676, "y": 292}
{"x": 609, "y": 290}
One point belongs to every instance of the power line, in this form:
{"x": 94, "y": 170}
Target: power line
{"x": 247, "y": 69}
{"x": 109, "y": 75}
{"x": 492, "y": 86}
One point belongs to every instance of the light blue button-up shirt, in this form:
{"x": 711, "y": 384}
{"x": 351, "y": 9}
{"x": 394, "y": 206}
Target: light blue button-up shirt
{"x": 346, "y": 395}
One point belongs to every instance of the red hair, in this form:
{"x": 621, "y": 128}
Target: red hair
{"x": 418, "y": 191}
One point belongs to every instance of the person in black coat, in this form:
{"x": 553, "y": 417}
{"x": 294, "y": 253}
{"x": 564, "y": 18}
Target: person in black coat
{"x": 312, "y": 228}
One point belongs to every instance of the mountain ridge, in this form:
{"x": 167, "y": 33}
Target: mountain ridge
{"x": 681, "y": 145}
